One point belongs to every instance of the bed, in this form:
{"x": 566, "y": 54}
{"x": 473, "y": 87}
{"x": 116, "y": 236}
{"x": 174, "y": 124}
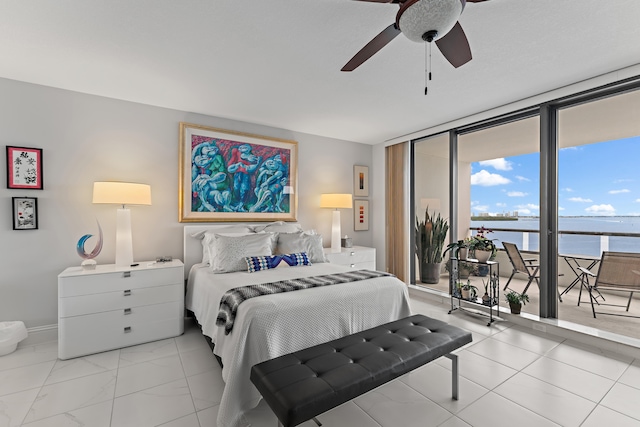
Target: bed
{"x": 272, "y": 325}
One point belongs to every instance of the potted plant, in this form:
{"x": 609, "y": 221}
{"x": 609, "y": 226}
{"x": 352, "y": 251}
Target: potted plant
{"x": 468, "y": 291}
{"x": 459, "y": 249}
{"x": 516, "y": 301}
{"x": 430, "y": 236}
{"x": 482, "y": 247}
{"x": 486, "y": 299}
{"x": 465, "y": 269}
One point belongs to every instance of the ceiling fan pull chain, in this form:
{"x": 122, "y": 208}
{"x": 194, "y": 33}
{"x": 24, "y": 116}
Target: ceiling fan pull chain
{"x": 427, "y": 73}
{"x": 427, "y": 67}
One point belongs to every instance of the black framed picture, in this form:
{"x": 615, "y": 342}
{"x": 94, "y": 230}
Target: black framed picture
{"x": 25, "y": 213}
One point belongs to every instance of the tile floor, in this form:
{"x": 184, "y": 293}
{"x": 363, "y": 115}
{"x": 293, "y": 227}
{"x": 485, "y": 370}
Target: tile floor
{"x": 509, "y": 376}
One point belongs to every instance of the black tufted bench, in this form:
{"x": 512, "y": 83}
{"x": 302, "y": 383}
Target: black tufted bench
{"x": 301, "y": 385}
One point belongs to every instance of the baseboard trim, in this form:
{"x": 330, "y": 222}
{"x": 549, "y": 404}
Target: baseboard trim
{"x": 40, "y": 335}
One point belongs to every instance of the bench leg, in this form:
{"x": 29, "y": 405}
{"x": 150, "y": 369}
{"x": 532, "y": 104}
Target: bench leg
{"x": 454, "y": 374}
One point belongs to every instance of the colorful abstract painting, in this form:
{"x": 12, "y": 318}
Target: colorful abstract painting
{"x": 229, "y": 176}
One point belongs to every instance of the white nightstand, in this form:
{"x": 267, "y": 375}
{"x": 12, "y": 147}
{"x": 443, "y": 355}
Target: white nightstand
{"x": 113, "y": 307}
{"x": 357, "y": 257}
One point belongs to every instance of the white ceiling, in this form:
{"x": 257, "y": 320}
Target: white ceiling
{"x": 277, "y": 62}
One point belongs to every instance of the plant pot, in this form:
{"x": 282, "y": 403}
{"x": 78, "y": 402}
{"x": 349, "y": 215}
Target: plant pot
{"x": 486, "y": 299}
{"x": 463, "y": 274}
{"x": 515, "y": 307}
{"x": 482, "y": 270}
{"x": 463, "y": 253}
{"x": 464, "y": 293}
{"x": 430, "y": 272}
{"x": 483, "y": 256}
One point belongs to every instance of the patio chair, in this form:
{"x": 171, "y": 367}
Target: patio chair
{"x": 619, "y": 271}
{"x": 521, "y": 265}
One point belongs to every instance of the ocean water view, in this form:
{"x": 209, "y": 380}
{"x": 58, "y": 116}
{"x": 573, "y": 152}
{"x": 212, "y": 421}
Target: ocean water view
{"x": 570, "y": 243}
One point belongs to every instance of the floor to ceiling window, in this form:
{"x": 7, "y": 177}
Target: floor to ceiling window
{"x": 499, "y": 196}
{"x": 431, "y": 205}
{"x": 559, "y": 181}
{"x": 599, "y": 202}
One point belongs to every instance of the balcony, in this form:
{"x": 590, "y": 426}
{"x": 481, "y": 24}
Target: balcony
{"x": 568, "y": 310}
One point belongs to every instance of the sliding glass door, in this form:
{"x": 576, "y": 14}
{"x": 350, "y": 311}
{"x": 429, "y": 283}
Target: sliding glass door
{"x": 599, "y": 203}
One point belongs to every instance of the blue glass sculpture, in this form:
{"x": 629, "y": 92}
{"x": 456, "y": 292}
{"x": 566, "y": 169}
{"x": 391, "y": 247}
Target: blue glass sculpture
{"x": 89, "y": 263}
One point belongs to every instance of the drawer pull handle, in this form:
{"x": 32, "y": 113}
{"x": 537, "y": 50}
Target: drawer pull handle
{"x": 127, "y": 292}
{"x": 127, "y": 311}
{"x": 127, "y": 329}
{"x": 353, "y": 265}
{"x": 126, "y": 274}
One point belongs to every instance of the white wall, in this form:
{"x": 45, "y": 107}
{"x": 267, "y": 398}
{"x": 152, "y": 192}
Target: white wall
{"x": 86, "y": 138}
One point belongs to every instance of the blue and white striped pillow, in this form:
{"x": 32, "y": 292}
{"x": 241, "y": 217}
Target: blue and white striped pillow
{"x": 266, "y": 262}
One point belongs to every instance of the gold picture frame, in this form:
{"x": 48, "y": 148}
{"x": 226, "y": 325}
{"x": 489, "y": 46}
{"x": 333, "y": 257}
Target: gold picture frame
{"x": 233, "y": 176}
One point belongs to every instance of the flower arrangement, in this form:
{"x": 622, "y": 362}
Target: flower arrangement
{"x": 480, "y": 242}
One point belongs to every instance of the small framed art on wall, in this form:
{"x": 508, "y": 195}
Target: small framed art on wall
{"x": 361, "y": 181}
{"x": 25, "y": 213}
{"x": 361, "y": 215}
{"x": 24, "y": 168}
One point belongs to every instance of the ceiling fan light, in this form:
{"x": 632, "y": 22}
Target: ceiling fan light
{"x": 429, "y": 15}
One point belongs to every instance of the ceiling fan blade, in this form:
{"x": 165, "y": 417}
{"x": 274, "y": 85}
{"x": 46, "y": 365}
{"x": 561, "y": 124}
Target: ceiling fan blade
{"x": 455, "y": 46}
{"x": 378, "y": 42}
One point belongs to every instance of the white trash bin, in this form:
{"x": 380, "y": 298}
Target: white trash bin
{"x": 11, "y": 333}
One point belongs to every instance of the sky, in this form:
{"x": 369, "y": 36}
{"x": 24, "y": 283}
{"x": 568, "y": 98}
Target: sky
{"x": 600, "y": 179}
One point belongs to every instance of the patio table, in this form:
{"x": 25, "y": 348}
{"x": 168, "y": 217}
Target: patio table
{"x": 575, "y": 261}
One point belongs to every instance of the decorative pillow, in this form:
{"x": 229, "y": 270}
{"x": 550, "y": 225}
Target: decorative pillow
{"x": 257, "y": 263}
{"x": 278, "y": 227}
{"x": 289, "y": 243}
{"x": 228, "y": 252}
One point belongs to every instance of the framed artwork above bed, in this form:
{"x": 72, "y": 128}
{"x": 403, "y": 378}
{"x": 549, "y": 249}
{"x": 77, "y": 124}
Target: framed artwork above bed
{"x": 233, "y": 176}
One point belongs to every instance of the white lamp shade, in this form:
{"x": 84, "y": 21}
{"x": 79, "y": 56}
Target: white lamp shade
{"x": 336, "y": 201}
{"x": 121, "y": 193}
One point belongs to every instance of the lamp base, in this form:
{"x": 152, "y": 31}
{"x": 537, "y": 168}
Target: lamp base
{"x": 335, "y": 232}
{"x": 124, "y": 243}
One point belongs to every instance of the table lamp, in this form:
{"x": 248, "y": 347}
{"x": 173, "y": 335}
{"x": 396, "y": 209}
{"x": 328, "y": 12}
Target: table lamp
{"x": 336, "y": 201}
{"x": 122, "y": 193}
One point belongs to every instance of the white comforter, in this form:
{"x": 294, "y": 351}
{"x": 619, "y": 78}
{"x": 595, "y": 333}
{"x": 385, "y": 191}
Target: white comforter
{"x": 272, "y": 325}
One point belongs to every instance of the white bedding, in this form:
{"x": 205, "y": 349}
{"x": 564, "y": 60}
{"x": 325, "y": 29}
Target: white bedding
{"x": 273, "y": 325}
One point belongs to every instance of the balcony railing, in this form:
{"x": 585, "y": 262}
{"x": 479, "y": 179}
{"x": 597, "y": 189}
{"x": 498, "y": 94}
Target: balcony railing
{"x": 585, "y": 242}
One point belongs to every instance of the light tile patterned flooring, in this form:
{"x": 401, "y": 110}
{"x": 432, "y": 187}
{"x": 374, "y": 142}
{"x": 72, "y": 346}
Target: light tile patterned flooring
{"x": 509, "y": 376}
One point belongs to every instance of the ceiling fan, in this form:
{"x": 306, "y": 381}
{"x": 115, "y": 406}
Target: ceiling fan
{"x": 423, "y": 21}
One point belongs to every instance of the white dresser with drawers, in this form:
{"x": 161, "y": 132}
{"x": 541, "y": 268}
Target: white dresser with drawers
{"x": 112, "y": 307}
{"x": 357, "y": 257}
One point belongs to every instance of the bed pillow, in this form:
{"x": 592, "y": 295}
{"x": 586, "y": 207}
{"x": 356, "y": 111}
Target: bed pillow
{"x": 267, "y": 262}
{"x": 232, "y": 230}
{"x": 208, "y": 238}
{"x": 227, "y": 253}
{"x": 278, "y": 227}
{"x": 235, "y": 229}
{"x": 289, "y": 243}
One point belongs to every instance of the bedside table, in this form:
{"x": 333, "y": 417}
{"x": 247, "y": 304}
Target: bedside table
{"x": 357, "y": 257}
{"x": 113, "y": 307}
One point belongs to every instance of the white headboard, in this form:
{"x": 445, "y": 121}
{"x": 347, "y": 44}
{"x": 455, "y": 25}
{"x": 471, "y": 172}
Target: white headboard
{"x": 193, "y": 247}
